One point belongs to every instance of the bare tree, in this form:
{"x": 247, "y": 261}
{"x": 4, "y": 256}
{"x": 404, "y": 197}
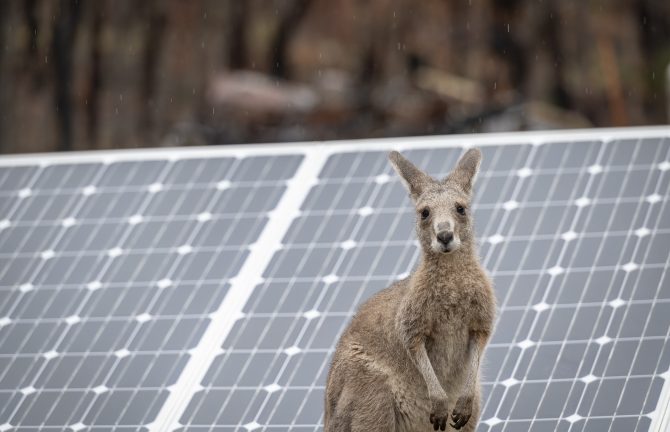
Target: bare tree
{"x": 154, "y": 39}
{"x": 288, "y": 24}
{"x": 95, "y": 73}
{"x": 65, "y": 30}
{"x": 237, "y": 45}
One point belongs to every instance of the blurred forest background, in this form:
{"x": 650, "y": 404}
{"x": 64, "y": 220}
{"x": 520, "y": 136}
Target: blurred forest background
{"x": 120, "y": 73}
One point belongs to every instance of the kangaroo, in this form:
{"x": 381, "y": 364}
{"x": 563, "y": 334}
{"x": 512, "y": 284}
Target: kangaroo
{"x": 414, "y": 348}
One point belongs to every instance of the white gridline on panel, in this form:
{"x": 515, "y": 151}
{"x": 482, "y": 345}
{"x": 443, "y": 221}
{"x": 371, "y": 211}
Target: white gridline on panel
{"x": 514, "y": 216}
{"x": 88, "y": 294}
{"x": 611, "y": 285}
{"x": 656, "y": 189}
{"x": 563, "y": 251}
{"x": 600, "y": 249}
{"x": 138, "y": 311}
{"x": 58, "y": 339}
{"x": 540, "y": 338}
{"x": 546, "y": 265}
{"x": 315, "y": 281}
{"x": 489, "y": 231}
{"x": 518, "y": 136}
{"x": 224, "y": 318}
{"x": 361, "y": 224}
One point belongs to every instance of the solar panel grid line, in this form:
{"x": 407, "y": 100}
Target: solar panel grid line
{"x": 663, "y": 403}
{"x": 222, "y": 320}
{"x": 360, "y": 292}
{"x": 223, "y": 405}
{"x": 546, "y": 264}
{"x": 609, "y": 290}
{"x": 482, "y": 234}
{"x": 319, "y": 319}
{"x": 594, "y": 234}
{"x": 175, "y": 264}
{"x": 50, "y": 190}
{"x": 510, "y": 189}
{"x": 159, "y": 218}
{"x": 44, "y": 365}
{"x": 611, "y": 285}
{"x": 480, "y": 186}
{"x": 224, "y": 240}
{"x": 151, "y": 303}
{"x": 301, "y": 264}
{"x": 299, "y": 338}
{"x": 17, "y": 207}
{"x": 530, "y": 182}
{"x": 378, "y": 278}
{"x": 492, "y": 267}
{"x": 363, "y": 223}
{"x": 9, "y": 213}
{"x": 636, "y": 275}
{"x": 127, "y": 232}
{"x": 560, "y": 288}
{"x": 661, "y": 420}
{"x": 553, "y": 277}
{"x": 59, "y": 340}
{"x": 318, "y": 301}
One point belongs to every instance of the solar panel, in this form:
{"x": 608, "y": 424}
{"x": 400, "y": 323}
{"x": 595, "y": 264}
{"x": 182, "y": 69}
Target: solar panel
{"x": 109, "y": 272}
{"x": 205, "y": 289}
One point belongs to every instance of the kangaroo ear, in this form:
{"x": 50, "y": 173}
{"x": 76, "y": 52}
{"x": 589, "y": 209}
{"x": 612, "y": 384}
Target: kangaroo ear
{"x": 414, "y": 179}
{"x": 466, "y": 170}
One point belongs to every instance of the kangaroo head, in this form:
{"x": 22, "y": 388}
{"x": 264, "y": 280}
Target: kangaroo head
{"x": 444, "y": 219}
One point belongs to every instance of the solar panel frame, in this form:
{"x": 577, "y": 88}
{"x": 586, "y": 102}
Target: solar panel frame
{"x": 316, "y": 156}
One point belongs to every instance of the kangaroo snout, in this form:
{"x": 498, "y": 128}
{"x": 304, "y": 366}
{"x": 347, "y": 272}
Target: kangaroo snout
{"x": 445, "y": 237}
{"x": 445, "y": 241}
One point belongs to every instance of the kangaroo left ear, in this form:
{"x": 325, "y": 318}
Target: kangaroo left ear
{"x": 414, "y": 179}
{"x": 466, "y": 170}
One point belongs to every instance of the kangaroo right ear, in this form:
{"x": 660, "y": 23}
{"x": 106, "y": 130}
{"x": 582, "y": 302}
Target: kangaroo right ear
{"x": 414, "y": 179}
{"x": 467, "y": 169}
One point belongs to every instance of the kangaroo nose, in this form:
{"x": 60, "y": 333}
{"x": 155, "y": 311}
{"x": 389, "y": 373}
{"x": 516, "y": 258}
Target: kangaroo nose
{"x": 445, "y": 237}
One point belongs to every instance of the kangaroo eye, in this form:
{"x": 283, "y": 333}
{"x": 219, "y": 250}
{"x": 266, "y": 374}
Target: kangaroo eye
{"x": 460, "y": 209}
{"x": 425, "y": 213}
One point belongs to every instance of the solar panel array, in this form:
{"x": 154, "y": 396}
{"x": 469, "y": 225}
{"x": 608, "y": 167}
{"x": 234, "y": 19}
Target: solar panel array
{"x": 199, "y": 293}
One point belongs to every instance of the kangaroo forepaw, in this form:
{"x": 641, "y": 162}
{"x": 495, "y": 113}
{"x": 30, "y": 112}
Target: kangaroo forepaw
{"x": 439, "y": 414}
{"x": 462, "y": 412}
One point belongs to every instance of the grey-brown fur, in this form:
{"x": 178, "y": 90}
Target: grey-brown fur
{"x": 409, "y": 360}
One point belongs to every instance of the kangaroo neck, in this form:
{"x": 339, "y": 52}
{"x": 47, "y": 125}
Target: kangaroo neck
{"x": 439, "y": 266}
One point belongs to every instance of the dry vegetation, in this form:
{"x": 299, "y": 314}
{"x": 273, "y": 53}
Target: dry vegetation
{"x": 102, "y": 74}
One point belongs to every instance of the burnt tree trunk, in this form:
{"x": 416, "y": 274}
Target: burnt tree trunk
{"x": 62, "y": 49}
{"x": 560, "y": 94}
{"x": 95, "y": 78}
{"x": 237, "y": 47}
{"x": 287, "y": 27}
{"x": 3, "y": 79}
{"x": 32, "y": 65}
{"x": 154, "y": 39}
